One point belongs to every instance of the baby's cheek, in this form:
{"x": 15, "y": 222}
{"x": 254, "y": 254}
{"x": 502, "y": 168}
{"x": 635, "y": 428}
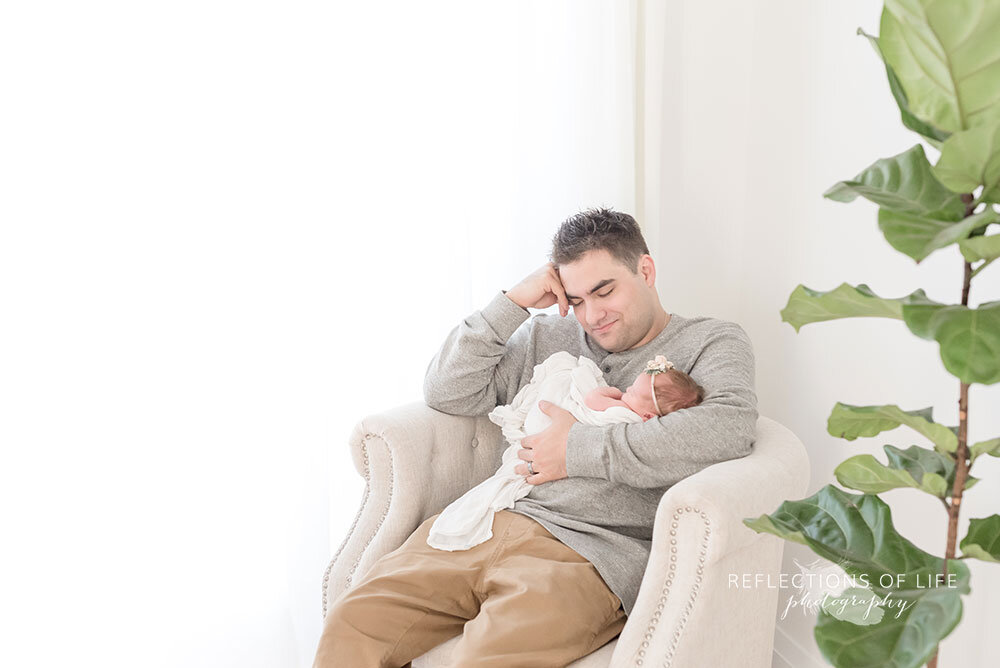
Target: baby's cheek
{"x": 648, "y": 407}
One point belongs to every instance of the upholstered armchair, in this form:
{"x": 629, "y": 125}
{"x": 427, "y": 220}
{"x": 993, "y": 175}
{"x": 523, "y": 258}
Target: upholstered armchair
{"x": 692, "y": 611}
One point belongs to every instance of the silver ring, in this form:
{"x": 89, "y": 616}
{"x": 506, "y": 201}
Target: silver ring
{"x": 531, "y": 470}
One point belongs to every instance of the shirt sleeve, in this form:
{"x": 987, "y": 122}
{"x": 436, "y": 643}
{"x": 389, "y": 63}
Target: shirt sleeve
{"x": 662, "y": 451}
{"x": 479, "y": 365}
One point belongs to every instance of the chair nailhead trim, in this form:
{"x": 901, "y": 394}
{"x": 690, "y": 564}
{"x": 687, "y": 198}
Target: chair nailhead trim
{"x": 692, "y": 599}
{"x": 364, "y": 504}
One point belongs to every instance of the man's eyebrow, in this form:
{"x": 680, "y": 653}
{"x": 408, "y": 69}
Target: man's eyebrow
{"x": 594, "y": 289}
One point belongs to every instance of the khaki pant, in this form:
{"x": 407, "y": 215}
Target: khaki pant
{"x": 520, "y": 599}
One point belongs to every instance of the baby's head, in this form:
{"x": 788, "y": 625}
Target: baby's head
{"x": 662, "y": 389}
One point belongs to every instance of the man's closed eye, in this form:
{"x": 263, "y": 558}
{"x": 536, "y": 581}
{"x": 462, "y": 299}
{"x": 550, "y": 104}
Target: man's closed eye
{"x": 604, "y": 295}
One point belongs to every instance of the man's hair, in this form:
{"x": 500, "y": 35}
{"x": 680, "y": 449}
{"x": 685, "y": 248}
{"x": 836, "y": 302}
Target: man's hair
{"x": 681, "y": 392}
{"x": 594, "y": 229}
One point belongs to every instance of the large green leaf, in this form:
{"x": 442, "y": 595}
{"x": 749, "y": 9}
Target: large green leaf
{"x": 918, "y": 309}
{"x": 903, "y": 183}
{"x": 908, "y": 634}
{"x": 855, "y": 605}
{"x": 921, "y": 462}
{"x": 990, "y": 447}
{"x": 867, "y": 474}
{"x": 933, "y": 134}
{"x": 856, "y": 532}
{"x": 971, "y": 158}
{"x": 947, "y": 58}
{"x": 919, "y": 236}
{"x": 980, "y": 248}
{"x": 969, "y": 338}
{"x": 983, "y": 539}
{"x": 845, "y": 301}
{"x": 927, "y": 470}
{"x": 851, "y": 422}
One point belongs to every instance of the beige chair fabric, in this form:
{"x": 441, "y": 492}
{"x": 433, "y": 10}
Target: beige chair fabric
{"x": 416, "y": 460}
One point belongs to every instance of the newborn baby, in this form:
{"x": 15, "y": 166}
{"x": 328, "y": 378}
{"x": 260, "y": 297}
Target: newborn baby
{"x": 659, "y": 390}
{"x": 575, "y": 384}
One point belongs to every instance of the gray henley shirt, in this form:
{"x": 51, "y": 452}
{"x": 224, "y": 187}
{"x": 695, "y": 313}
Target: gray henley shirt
{"x": 605, "y": 509}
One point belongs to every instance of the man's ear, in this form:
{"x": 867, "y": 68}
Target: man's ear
{"x": 648, "y": 270}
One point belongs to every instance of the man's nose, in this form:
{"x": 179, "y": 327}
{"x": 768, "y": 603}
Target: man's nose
{"x": 595, "y": 316}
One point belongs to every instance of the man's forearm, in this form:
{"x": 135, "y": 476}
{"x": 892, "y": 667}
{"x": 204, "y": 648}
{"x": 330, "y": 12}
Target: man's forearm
{"x": 661, "y": 451}
{"x": 470, "y": 373}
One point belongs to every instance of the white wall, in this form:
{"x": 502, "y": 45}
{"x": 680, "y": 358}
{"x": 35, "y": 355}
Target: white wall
{"x": 774, "y": 102}
{"x": 229, "y": 231}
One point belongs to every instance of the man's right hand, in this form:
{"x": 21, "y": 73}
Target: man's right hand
{"x": 540, "y": 289}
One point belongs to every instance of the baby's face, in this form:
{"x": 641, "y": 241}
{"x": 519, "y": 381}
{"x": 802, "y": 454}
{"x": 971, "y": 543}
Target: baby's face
{"x": 639, "y": 396}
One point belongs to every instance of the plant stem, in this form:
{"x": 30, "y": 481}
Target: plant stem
{"x": 962, "y": 452}
{"x": 961, "y": 473}
{"x": 982, "y": 266}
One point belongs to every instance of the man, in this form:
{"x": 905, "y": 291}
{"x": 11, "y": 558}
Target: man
{"x": 563, "y": 567}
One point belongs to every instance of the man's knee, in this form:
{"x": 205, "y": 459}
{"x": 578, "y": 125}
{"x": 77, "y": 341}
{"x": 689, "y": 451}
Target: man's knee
{"x": 349, "y": 635}
{"x": 353, "y": 607}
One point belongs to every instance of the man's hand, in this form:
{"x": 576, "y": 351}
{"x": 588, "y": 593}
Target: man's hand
{"x": 546, "y": 449}
{"x": 541, "y": 289}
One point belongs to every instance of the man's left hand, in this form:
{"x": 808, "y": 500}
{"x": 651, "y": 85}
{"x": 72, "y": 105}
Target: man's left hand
{"x": 546, "y": 449}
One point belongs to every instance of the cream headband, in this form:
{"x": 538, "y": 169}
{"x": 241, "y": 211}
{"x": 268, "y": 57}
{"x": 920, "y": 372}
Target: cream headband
{"x": 658, "y": 364}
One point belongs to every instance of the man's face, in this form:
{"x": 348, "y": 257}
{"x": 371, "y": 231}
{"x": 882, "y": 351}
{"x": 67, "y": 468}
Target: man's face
{"x": 614, "y": 306}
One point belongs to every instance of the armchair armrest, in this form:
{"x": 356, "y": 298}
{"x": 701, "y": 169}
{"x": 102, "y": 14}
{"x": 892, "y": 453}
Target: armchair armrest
{"x": 415, "y": 461}
{"x": 687, "y": 606}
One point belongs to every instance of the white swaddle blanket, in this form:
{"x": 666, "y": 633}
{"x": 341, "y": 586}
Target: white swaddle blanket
{"x": 561, "y": 379}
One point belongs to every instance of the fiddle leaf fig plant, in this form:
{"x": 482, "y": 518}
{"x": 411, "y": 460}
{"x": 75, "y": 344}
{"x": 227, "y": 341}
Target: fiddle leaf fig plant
{"x": 942, "y": 61}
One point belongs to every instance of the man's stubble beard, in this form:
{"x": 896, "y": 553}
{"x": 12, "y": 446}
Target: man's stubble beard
{"x": 637, "y": 332}
{"x": 627, "y": 337}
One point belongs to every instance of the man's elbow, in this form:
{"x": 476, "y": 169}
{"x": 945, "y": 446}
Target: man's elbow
{"x": 437, "y": 399}
{"x": 745, "y": 436}
{"x": 465, "y": 406}
{"x": 448, "y": 407}
{"x": 737, "y": 440}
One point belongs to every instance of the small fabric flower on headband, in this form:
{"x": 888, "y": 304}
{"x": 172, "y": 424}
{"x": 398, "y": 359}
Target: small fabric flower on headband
{"x": 658, "y": 364}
